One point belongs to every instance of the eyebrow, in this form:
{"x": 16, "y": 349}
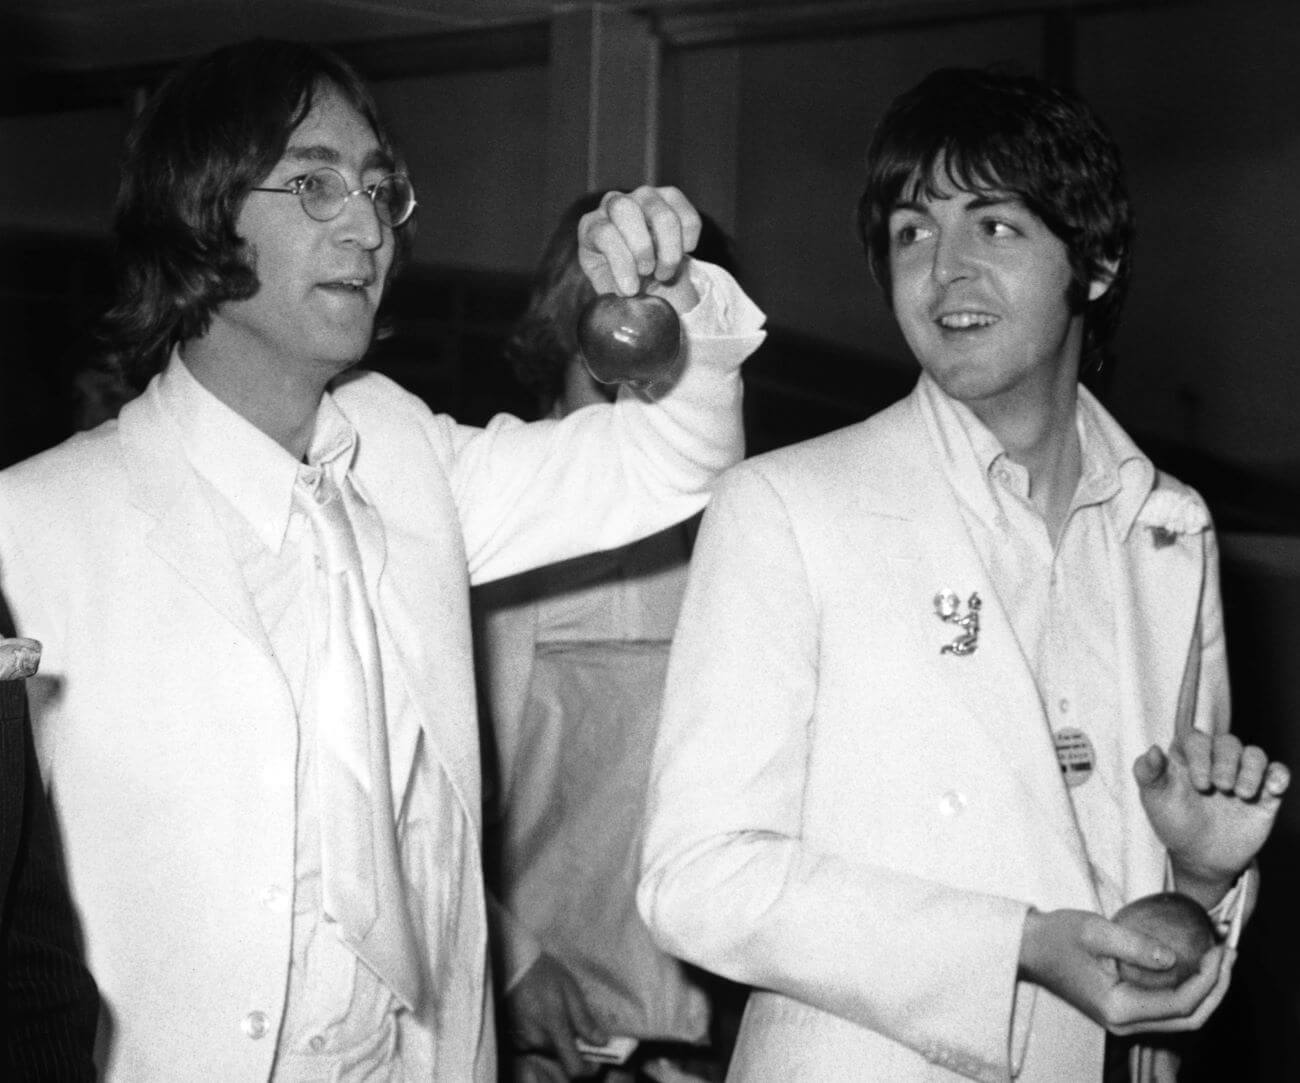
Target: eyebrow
{"x": 976, "y": 202}
{"x": 318, "y": 152}
{"x": 993, "y": 199}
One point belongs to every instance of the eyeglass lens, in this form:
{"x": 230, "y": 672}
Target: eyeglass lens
{"x": 324, "y": 192}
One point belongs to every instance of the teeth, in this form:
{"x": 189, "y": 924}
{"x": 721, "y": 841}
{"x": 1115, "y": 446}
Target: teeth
{"x": 960, "y": 320}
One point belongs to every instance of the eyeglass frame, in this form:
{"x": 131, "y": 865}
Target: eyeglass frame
{"x": 368, "y": 190}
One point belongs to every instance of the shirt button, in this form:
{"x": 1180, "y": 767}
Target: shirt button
{"x": 1065, "y": 706}
{"x": 951, "y": 803}
{"x": 255, "y": 1025}
{"x": 316, "y": 1043}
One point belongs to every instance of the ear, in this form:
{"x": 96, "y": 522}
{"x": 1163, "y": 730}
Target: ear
{"x": 1105, "y": 276}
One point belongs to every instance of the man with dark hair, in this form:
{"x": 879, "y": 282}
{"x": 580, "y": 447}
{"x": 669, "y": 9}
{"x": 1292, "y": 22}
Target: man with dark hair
{"x": 256, "y": 709}
{"x": 949, "y": 686}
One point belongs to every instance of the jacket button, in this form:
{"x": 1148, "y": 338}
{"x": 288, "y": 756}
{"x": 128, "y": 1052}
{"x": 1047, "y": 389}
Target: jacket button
{"x": 951, "y": 803}
{"x": 255, "y": 1025}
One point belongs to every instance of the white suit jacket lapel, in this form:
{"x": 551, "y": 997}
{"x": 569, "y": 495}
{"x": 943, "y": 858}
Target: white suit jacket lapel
{"x": 994, "y": 683}
{"x": 185, "y": 535}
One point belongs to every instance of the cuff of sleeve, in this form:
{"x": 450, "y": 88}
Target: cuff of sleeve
{"x": 1229, "y": 914}
{"x": 723, "y": 310}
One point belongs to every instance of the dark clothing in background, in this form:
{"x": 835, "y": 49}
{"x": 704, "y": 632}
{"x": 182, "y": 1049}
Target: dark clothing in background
{"x": 48, "y": 1001}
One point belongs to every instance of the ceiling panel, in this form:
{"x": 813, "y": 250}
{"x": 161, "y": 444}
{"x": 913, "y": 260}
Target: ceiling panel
{"x": 83, "y": 35}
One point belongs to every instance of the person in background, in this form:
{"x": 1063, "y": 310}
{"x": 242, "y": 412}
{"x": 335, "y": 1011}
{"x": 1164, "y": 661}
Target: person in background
{"x": 48, "y": 1002}
{"x": 949, "y": 685}
{"x": 571, "y": 660}
{"x": 256, "y": 711}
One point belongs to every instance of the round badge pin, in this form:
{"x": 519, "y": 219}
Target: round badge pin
{"x": 1075, "y": 754}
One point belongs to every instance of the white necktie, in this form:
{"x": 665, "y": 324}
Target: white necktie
{"x": 361, "y": 878}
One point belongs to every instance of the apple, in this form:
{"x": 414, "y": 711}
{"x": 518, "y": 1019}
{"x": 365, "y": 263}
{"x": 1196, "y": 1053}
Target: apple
{"x": 1178, "y": 922}
{"x": 633, "y": 340}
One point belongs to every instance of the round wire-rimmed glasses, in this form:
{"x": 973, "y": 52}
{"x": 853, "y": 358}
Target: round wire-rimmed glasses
{"x": 323, "y": 194}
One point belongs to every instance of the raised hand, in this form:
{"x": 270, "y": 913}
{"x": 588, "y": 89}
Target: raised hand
{"x": 1212, "y": 803}
{"x": 641, "y": 238}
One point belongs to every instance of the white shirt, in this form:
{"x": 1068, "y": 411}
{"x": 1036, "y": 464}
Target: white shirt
{"x": 340, "y": 1022}
{"x": 1060, "y": 600}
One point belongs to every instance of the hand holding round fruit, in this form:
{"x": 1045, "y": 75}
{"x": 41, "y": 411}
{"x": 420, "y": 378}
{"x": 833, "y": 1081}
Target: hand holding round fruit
{"x": 632, "y": 243}
{"x": 1177, "y": 921}
{"x": 630, "y": 340}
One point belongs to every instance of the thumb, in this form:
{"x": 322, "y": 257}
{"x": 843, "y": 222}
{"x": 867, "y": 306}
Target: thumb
{"x": 1130, "y": 946}
{"x": 1151, "y": 769}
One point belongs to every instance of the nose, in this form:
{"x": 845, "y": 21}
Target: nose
{"x": 358, "y": 223}
{"x": 952, "y": 257}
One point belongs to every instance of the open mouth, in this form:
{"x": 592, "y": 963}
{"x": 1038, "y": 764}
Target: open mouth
{"x": 351, "y": 285}
{"x": 965, "y": 321}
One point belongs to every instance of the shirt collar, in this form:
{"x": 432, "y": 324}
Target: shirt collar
{"x": 1114, "y": 471}
{"x": 249, "y": 469}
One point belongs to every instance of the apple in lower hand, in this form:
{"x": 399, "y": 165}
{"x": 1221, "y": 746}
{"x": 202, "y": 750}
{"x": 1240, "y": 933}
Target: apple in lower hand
{"x": 633, "y": 340}
{"x": 1178, "y": 922}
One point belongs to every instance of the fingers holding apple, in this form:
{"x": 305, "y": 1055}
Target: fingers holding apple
{"x": 1177, "y": 921}
{"x": 1153, "y": 993}
{"x": 641, "y": 239}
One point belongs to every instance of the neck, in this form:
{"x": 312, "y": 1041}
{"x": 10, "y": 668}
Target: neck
{"x": 281, "y": 403}
{"x": 1043, "y": 438}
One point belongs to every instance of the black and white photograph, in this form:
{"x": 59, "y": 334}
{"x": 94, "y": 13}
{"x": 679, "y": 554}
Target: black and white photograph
{"x": 649, "y": 541}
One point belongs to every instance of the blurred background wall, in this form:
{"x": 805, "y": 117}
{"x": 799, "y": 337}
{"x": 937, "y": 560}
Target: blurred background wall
{"x": 761, "y": 111}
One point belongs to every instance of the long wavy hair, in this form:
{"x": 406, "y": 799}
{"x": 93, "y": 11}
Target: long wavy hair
{"x": 215, "y": 127}
{"x": 989, "y": 130}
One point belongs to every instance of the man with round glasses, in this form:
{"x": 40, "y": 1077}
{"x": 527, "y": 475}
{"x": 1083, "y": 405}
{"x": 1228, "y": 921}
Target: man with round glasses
{"x": 255, "y": 711}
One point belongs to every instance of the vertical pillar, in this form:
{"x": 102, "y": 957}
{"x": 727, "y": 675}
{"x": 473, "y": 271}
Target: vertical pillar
{"x": 603, "y": 116}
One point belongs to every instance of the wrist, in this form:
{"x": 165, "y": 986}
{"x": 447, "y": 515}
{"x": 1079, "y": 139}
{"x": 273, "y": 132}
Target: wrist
{"x": 1206, "y": 886}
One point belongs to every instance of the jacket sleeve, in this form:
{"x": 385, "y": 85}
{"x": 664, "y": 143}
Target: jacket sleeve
{"x": 728, "y": 880}
{"x": 530, "y": 494}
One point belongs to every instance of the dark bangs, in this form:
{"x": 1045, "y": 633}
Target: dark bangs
{"x": 979, "y": 131}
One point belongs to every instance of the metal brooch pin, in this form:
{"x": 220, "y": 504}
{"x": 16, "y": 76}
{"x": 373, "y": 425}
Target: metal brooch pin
{"x": 1162, "y": 537}
{"x": 947, "y": 607}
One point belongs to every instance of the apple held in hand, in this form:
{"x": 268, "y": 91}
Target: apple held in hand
{"x": 632, "y": 340}
{"x": 1178, "y": 922}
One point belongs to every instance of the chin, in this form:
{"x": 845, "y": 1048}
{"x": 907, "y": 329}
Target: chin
{"x": 962, "y": 380}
